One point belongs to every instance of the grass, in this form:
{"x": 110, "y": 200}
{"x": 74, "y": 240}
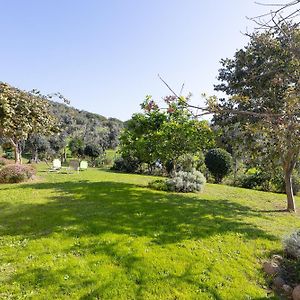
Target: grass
{"x": 102, "y": 235}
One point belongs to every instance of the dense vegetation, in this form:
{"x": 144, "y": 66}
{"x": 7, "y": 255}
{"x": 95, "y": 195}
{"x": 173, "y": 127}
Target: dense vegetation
{"x": 39, "y": 128}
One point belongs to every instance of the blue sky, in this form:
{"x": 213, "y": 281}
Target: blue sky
{"x": 105, "y": 55}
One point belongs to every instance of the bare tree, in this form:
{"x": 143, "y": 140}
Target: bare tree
{"x": 279, "y": 13}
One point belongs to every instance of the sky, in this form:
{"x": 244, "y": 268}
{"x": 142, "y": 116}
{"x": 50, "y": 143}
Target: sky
{"x": 104, "y": 56}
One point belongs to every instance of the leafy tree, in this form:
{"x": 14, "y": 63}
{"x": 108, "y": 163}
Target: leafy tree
{"x": 23, "y": 113}
{"x": 58, "y": 144}
{"x": 218, "y": 162}
{"x": 164, "y": 136}
{"x": 262, "y": 82}
{"x": 76, "y": 146}
{"x": 37, "y": 144}
{"x": 93, "y": 151}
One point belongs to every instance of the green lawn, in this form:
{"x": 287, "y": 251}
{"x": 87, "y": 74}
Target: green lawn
{"x": 102, "y": 235}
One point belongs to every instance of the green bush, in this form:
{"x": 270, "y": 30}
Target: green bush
{"x": 257, "y": 180}
{"x": 218, "y": 161}
{"x": 159, "y": 185}
{"x": 16, "y": 173}
{"x": 188, "y": 162}
{"x": 126, "y": 164}
{"x": 279, "y": 183}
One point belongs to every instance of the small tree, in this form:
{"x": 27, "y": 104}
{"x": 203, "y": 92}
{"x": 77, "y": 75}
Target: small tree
{"x": 23, "y": 113}
{"x": 36, "y": 144}
{"x": 76, "y": 146}
{"x": 218, "y": 162}
{"x": 93, "y": 151}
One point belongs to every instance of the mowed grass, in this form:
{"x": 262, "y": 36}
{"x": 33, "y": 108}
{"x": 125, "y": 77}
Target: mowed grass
{"x": 102, "y": 235}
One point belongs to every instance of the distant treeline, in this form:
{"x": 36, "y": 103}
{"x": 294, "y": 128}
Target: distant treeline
{"x": 75, "y": 127}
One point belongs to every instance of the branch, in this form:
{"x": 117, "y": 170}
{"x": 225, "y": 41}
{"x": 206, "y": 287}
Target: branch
{"x": 219, "y": 110}
{"x": 278, "y": 13}
{"x": 168, "y": 87}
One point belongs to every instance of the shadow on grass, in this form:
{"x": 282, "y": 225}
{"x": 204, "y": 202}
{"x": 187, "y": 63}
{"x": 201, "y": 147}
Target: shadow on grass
{"x": 92, "y": 209}
{"x": 125, "y": 209}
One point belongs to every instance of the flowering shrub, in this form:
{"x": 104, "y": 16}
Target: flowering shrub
{"x": 16, "y": 173}
{"x": 186, "y": 182}
{"x": 292, "y": 244}
{"x": 3, "y": 161}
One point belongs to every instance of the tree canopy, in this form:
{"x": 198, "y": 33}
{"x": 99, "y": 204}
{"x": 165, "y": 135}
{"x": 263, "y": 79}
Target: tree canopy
{"x": 263, "y": 88}
{"x": 23, "y": 113}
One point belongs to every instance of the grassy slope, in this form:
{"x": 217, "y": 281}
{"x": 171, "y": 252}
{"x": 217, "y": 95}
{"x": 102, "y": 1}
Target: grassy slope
{"x": 101, "y": 235}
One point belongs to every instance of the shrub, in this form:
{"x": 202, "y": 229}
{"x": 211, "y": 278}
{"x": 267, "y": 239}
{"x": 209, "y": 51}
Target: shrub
{"x": 93, "y": 151}
{"x": 279, "y": 183}
{"x": 257, "y": 180}
{"x": 16, "y": 173}
{"x": 3, "y": 161}
{"x": 186, "y": 182}
{"x": 292, "y": 244}
{"x": 126, "y": 164}
{"x": 218, "y": 162}
{"x": 97, "y": 162}
{"x": 159, "y": 185}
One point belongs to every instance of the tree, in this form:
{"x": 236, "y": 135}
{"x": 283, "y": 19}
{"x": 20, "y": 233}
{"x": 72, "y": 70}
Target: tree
{"x": 36, "y": 144}
{"x": 262, "y": 82}
{"x": 164, "y": 136}
{"x": 93, "y": 151}
{"x": 23, "y": 113}
{"x": 76, "y": 146}
{"x": 279, "y": 13}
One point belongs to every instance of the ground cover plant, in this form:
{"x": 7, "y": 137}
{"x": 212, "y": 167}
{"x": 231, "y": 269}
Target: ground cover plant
{"x": 102, "y": 235}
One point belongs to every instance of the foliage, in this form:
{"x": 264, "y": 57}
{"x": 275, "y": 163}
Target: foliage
{"x": 162, "y": 137}
{"x": 218, "y": 161}
{"x": 23, "y": 113}
{"x": 188, "y": 162}
{"x": 126, "y": 164}
{"x": 279, "y": 183}
{"x": 93, "y": 150}
{"x": 253, "y": 179}
{"x": 76, "y": 146}
{"x": 159, "y": 185}
{"x": 3, "y": 161}
{"x": 262, "y": 84}
{"x": 15, "y": 173}
{"x": 37, "y": 144}
{"x": 292, "y": 244}
{"x": 98, "y": 161}
{"x": 186, "y": 182}
{"x": 89, "y": 127}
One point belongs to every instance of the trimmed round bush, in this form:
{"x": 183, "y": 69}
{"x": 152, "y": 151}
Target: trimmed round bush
{"x": 16, "y": 173}
{"x": 218, "y": 161}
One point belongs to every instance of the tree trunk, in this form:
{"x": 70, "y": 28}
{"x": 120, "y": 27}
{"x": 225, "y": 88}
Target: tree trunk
{"x": 35, "y": 156}
{"x": 18, "y": 154}
{"x": 291, "y": 206}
